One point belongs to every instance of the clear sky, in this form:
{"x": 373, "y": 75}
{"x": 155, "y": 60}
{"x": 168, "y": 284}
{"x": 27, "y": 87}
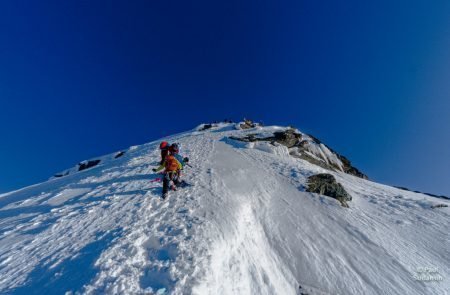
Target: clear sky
{"x": 79, "y": 79}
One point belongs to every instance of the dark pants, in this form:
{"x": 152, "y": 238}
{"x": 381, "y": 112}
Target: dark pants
{"x": 170, "y": 176}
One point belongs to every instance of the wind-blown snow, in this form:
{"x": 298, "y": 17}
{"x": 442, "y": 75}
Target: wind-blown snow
{"x": 246, "y": 225}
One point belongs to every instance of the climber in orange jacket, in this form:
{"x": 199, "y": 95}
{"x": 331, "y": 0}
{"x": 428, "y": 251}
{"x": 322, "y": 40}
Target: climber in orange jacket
{"x": 172, "y": 169}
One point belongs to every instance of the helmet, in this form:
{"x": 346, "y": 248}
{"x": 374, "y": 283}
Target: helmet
{"x": 163, "y": 145}
{"x": 174, "y": 148}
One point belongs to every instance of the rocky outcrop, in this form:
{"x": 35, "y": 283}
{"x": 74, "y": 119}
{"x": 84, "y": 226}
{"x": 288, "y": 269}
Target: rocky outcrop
{"x": 289, "y": 137}
{"x": 308, "y": 148}
{"x": 119, "y": 154}
{"x": 439, "y": 206}
{"x": 247, "y": 124}
{"x": 206, "y": 127}
{"x": 87, "y": 164}
{"x": 62, "y": 174}
{"x": 325, "y": 184}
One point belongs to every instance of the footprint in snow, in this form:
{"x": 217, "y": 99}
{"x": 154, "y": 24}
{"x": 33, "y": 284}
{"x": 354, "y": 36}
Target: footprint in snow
{"x": 183, "y": 210}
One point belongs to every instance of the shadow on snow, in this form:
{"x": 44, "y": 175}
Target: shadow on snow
{"x": 69, "y": 275}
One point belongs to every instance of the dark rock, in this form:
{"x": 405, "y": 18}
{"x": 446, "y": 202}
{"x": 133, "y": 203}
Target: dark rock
{"x": 119, "y": 154}
{"x": 247, "y": 124}
{"x": 61, "y": 174}
{"x": 402, "y": 188}
{"x": 87, "y": 164}
{"x": 325, "y": 184}
{"x": 206, "y": 127}
{"x": 439, "y": 206}
{"x": 288, "y": 137}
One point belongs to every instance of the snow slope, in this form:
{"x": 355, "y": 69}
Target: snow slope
{"x": 246, "y": 225}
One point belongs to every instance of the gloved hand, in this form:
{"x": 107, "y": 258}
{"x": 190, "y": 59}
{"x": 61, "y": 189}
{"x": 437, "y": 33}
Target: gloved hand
{"x": 154, "y": 169}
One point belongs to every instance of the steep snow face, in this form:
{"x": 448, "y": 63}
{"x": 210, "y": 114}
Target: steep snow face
{"x": 244, "y": 225}
{"x": 321, "y": 152}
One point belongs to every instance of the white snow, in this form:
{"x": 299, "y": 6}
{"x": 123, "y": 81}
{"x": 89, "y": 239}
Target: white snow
{"x": 66, "y": 195}
{"x": 267, "y": 147}
{"x": 320, "y": 152}
{"x": 246, "y": 225}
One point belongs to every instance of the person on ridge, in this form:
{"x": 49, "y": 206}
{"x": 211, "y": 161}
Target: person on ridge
{"x": 174, "y": 151}
{"x": 171, "y": 168}
{"x": 173, "y": 164}
{"x": 164, "y": 147}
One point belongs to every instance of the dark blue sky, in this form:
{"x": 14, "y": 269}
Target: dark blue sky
{"x": 80, "y": 79}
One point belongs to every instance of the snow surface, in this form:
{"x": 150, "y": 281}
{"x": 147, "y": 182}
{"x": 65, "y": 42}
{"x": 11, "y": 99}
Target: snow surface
{"x": 246, "y": 225}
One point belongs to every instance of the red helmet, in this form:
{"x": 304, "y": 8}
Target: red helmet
{"x": 164, "y": 145}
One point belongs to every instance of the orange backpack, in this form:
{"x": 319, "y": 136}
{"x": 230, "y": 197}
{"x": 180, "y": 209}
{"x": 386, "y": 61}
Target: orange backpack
{"x": 171, "y": 163}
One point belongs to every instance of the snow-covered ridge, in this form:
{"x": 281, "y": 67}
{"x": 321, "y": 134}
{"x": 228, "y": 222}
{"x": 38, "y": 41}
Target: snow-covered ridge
{"x": 245, "y": 225}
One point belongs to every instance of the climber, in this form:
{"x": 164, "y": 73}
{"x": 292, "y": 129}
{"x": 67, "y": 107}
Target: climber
{"x": 174, "y": 151}
{"x": 171, "y": 168}
{"x": 173, "y": 164}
